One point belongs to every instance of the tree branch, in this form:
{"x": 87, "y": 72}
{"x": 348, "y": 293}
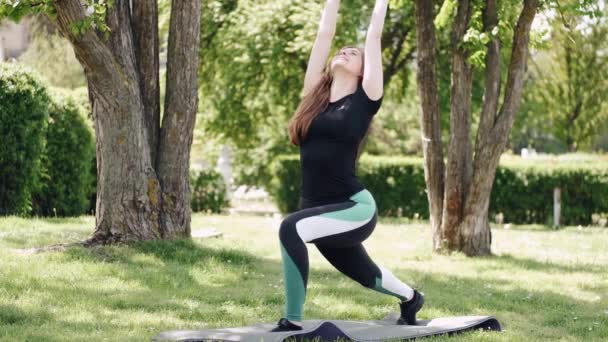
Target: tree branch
{"x": 144, "y": 18}
{"x": 430, "y": 120}
{"x": 519, "y": 54}
{"x": 94, "y": 55}
{"x": 393, "y": 66}
{"x": 492, "y": 74}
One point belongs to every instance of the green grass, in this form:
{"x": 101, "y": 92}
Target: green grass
{"x": 542, "y": 284}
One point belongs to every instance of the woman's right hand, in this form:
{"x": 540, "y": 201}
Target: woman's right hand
{"x": 327, "y": 23}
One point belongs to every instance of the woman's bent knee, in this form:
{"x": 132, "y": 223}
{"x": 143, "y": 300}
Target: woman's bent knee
{"x": 287, "y": 227}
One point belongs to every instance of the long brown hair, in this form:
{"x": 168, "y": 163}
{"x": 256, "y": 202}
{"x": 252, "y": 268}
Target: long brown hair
{"x": 315, "y": 102}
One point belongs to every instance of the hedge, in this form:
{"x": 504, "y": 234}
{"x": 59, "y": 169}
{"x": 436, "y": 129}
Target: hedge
{"x": 522, "y": 191}
{"x": 209, "y": 193}
{"x": 24, "y": 103}
{"x": 67, "y": 160}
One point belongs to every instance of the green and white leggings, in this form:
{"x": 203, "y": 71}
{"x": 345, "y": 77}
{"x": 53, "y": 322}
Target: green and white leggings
{"x": 337, "y": 229}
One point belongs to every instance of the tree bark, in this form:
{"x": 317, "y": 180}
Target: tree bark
{"x": 145, "y": 33}
{"x": 458, "y": 171}
{"x": 122, "y": 74}
{"x": 459, "y": 219}
{"x": 124, "y": 206}
{"x": 181, "y": 104}
{"x": 494, "y": 131}
{"x": 430, "y": 122}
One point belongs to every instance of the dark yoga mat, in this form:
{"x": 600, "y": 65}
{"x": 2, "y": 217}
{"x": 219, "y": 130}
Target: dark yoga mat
{"x": 328, "y": 330}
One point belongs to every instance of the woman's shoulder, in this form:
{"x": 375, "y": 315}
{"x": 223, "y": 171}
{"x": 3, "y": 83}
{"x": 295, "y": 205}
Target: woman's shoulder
{"x": 371, "y": 106}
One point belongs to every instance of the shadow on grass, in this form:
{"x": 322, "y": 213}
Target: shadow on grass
{"x": 531, "y": 264}
{"x": 454, "y": 295}
{"x": 11, "y": 314}
{"x": 166, "y": 285}
{"x": 533, "y": 314}
{"x": 540, "y": 228}
{"x": 250, "y": 281}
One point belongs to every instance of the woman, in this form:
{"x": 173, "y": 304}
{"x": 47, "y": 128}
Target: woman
{"x": 337, "y": 213}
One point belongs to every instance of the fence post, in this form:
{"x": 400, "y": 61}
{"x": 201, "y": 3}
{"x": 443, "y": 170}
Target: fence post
{"x": 557, "y": 202}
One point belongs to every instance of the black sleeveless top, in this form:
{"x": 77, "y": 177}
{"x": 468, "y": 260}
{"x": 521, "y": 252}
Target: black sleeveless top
{"x": 328, "y": 152}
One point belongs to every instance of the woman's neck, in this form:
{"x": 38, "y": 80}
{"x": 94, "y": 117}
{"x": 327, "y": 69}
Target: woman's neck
{"x": 342, "y": 86}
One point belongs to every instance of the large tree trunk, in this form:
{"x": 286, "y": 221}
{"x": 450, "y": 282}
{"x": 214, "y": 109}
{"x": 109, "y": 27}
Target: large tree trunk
{"x": 458, "y": 171}
{"x": 481, "y": 242}
{"x": 122, "y": 74}
{"x": 181, "y": 104}
{"x": 124, "y": 206}
{"x": 463, "y": 222}
{"x": 475, "y": 227}
{"x": 430, "y": 117}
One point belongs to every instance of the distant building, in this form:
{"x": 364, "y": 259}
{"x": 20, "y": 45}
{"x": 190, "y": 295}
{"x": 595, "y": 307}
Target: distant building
{"x": 14, "y": 38}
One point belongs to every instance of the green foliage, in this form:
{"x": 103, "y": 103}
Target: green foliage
{"x": 445, "y": 14}
{"x": 95, "y": 17}
{"x": 47, "y": 148}
{"x": 587, "y": 8}
{"x": 80, "y": 96}
{"x": 208, "y": 191}
{"x": 23, "y": 120}
{"x": 396, "y": 182}
{"x": 67, "y": 181}
{"x": 253, "y": 60}
{"x": 285, "y": 186}
{"x": 95, "y": 13}
{"x": 396, "y": 129}
{"x": 565, "y": 98}
{"x": 53, "y": 57}
{"x": 475, "y": 39}
{"x": 249, "y": 74}
{"x": 522, "y": 191}
{"x": 16, "y": 9}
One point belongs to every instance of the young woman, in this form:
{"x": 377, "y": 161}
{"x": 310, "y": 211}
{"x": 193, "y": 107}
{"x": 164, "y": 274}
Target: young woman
{"x": 336, "y": 212}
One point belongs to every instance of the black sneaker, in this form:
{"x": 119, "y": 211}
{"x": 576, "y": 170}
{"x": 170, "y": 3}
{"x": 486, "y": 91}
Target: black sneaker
{"x": 285, "y": 325}
{"x": 410, "y": 308}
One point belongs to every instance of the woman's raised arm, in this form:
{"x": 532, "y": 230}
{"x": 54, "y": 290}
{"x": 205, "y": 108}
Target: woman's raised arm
{"x": 373, "y": 80}
{"x": 322, "y": 45}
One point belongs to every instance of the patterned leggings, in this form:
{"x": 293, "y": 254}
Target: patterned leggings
{"x": 338, "y": 230}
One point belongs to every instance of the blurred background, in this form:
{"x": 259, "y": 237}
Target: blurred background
{"x": 253, "y": 58}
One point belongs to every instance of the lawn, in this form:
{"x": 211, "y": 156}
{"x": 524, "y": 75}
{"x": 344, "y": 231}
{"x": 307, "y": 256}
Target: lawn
{"x": 541, "y": 284}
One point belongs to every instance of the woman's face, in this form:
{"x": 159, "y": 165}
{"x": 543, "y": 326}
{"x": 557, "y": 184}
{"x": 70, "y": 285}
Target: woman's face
{"x": 349, "y": 59}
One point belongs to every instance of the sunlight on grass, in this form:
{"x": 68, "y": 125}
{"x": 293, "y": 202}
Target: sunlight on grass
{"x": 541, "y": 284}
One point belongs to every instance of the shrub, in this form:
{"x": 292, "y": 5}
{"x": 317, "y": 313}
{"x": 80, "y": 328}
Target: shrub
{"x": 80, "y": 96}
{"x": 286, "y": 182}
{"x": 208, "y": 191}
{"x": 67, "y": 181}
{"x": 24, "y": 104}
{"x": 522, "y": 191}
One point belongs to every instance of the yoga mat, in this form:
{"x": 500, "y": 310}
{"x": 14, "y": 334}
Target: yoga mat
{"x": 328, "y": 330}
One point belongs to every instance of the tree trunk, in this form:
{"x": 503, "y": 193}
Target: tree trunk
{"x": 122, "y": 74}
{"x": 430, "y": 117}
{"x": 478, "y": 204}
{"x": 181, "y": 104}
{"x": 494, "y": 130}
{"x": 145, "y": 33}
{"x": 124, "y": 207}
{"x": 458, "y": 171}
{"x": 463, "y": 223}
